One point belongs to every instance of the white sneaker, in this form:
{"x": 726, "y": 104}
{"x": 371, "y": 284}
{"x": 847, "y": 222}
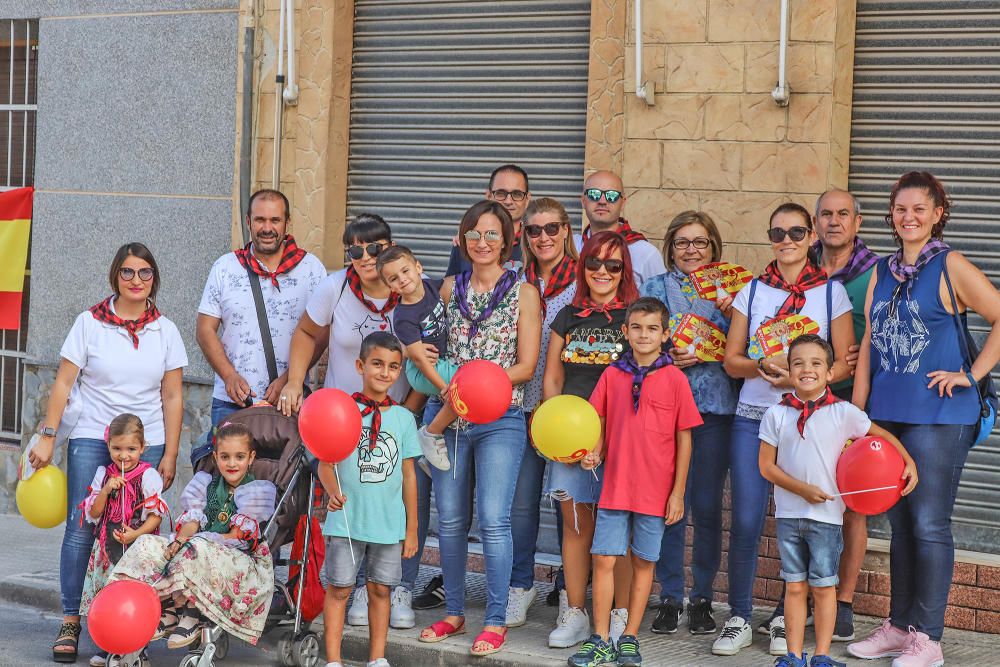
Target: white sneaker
{"x": 357, "y": 614}
{"x": 572, "y": 627}
{"x": 434, "y": 448}
{"x": 380, "y": 662}
{"x": 736, "y": 635}
{"x": 401, "y": 612}
{"x": 619, "y": 619}
{"x": 563, "y": 604}
{"x": 779, "y": 646}
{"x": 99, "y": 660}
{"x": 518, "y": 602}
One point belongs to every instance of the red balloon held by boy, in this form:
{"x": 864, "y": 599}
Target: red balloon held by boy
{"x": 124, "y": 616}
{"x": 330, "y": 424}
{"x": 480, "y": 392}
{"x": 870, "y": 463}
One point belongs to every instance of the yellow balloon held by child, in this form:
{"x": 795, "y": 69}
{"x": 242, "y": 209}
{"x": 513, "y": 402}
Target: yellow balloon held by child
{"x": 41, "y": 499}
{"x": 565, "y": 428}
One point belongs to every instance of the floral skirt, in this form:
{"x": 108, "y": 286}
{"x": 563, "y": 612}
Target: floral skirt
{"x": 231, "y": 588}
{"x": 98, "y": 570}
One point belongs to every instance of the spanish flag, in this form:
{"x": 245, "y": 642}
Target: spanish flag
{"x": 15, "y": 228}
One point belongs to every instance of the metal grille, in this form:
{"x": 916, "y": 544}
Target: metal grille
{"x": 933, "y": 103}
{"x": 18, "y": 107}
{"x": 444, "y": 91}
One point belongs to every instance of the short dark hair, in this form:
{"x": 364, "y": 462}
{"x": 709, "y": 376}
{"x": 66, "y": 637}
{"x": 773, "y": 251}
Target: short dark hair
{"x": 268, "y": 193}
{"x": 134, "y": 249}
{"x": 234, "y": 430}
{"x": 367, "y": 228}
{"x": 391, "y": 254}
{"x": 649, "y": 305}
{"x": 383, "y": 339}
{"x": 813, "y": 339}
{"x": 510, "y": 167}
{"x": 471, "y": 219}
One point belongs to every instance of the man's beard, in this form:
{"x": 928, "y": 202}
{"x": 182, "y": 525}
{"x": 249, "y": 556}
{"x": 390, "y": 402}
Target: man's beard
{"x": 267, "y": 246}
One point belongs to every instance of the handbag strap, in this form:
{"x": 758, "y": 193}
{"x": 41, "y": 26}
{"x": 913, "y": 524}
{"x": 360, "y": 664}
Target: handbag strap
{"x": 265, "y": 328}
{"x": 963, "y": 334}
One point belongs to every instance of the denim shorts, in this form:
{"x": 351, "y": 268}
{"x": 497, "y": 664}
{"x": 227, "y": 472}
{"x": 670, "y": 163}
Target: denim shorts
{"x": 570, "y": 481}
{"x": 383, "y": 562}
{"x": 810, "y": 550}
{"x": 617, "y": 530}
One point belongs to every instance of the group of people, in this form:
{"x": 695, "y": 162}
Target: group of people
{"x": 582, "y": 314}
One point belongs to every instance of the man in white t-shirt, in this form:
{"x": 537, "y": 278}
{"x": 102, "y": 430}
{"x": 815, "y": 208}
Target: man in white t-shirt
{"x": 603, "y": 201}
{"x": 229, "y": 331}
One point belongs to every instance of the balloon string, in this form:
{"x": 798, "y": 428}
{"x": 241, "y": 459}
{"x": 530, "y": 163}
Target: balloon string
{"x": 881, "y": 488}
{"x": 347, "y": 524}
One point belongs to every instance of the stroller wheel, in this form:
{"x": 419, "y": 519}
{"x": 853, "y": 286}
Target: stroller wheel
{"x": 127, "y": 660}
{"x": 307, "y": 650}
{"x": 286, "y": 649}
{"x": 222, "y": 646}
{"x": 193, "y": 660}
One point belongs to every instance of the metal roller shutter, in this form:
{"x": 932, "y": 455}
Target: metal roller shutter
{"x": 443, "y": 92}
{"x": 927, "y": 96}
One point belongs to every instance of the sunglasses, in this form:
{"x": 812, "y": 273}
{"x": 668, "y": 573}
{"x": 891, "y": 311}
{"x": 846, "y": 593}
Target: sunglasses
{"x": 683, "y": 244}
{"x": 491, "y": 236}
{"x": 550, "y": 229}
{"x": 613, "y": 266}
{"x": 358, "y": 251}
{"x": 778, "y": 234}
{"x": 594, "y": 194}
{"x": 516, "y": 195}
{"x": 145, "y": 274}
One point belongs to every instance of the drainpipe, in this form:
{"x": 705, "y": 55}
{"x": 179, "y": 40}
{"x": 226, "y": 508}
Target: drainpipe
{"x": 279, "y": 104}
{"x": 781, "y": 93}
{"x": 643, "y": 90}
{"x": 291, "y": 92}
{"x": 246, "y": 144}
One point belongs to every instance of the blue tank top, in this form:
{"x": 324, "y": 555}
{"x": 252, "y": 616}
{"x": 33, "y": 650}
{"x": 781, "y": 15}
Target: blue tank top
{"x": 910, "y": 338}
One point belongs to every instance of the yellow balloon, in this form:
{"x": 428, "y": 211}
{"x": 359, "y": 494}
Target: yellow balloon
{"x": 565, "y": 428}
{"x": 41, "y": 499}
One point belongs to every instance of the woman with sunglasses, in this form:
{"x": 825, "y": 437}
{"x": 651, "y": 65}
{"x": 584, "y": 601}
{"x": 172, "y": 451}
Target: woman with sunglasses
{"x": 586, "y": 336}
{"x": 791, "y": 284}
{"x": 120, "y": 356}
{"x": 692, "y": 241}
{"x": 492, "y": 315}
{"x": 550, "y": 265}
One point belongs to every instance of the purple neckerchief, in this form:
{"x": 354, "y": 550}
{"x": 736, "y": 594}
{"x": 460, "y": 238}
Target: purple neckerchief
{"x": 507, "y": 280}
{"x": 905, "y": 273}
{"x": 639, "y": 373}
{"x": 861, "y": 260}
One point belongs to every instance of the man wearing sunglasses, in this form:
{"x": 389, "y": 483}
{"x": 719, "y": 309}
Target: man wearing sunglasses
{"x": 229, "y": 322}
{"x": 509, "y": 187}
{"x": 603, "y": 200}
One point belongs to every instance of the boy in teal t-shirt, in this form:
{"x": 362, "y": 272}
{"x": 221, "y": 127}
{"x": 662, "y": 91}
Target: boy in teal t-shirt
{"x": 381, "y": 521}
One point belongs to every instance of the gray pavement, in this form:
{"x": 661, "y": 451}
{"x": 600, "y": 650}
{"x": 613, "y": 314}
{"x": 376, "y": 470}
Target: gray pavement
{"x": 29, "y": 565}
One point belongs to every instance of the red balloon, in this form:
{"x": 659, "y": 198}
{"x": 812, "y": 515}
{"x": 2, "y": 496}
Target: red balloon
{"x": 330, "y": 424}
{"x": 124, "y": 616}
{"x": 870, "y": 463}
{"x": 480, "y": 392}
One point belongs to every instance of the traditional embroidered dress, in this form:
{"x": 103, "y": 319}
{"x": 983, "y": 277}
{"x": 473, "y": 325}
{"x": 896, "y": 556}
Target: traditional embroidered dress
{"x": 230, "y": 580}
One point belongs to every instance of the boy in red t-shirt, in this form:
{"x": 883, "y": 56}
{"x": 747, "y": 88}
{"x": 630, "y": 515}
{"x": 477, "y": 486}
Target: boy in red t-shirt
{"x": 647, "y": 413}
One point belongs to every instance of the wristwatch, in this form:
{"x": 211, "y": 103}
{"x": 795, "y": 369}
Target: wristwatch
{"x": 47, "y": 431}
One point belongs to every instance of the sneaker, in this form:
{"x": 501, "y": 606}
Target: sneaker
{"x": 357, "y": 614}
{"x": 667, "y": 618}
{"x": 735, "y": 636}
{"x": 518, "y": 602}
{"x": 791, "y": 660}
{"x": 434, "y": 449}
{"x": 432, "y": 595}
{"x": 700, "y": 621}
{"x": 563, "y": 601}
{"x": 887, "y": 641}
{"x": 424, "y": 465}
{"x": 380, "y": 662}
{"x": 619, "y": 619}
{"x": 628, "y": 651}
{"x": 100, "y": 659}
{"x": 572, "y": 627}
{"x": 401, "y": 610}
{"x": 823, "y": 661}
{"x": 843, "y": 629}
{"x": 765, "y": 627}
{"x": 920, "y": 651}
{"x": 779, "y": 646}
{"x": 594, "y": 653}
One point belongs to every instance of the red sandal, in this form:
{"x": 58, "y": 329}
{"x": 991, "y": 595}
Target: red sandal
{"x": 494, "y": 639}
{"x": 442, "y": 630}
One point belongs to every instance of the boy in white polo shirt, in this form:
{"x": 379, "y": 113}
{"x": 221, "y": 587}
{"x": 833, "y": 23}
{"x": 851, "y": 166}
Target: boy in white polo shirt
{"x": 801, "y": 439}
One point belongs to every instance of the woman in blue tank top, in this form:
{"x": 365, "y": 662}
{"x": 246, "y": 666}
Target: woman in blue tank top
{"x": 910, "y": 375}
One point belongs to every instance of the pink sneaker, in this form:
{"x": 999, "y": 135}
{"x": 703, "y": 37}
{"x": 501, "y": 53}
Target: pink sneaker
{"x": 887, "y": 641}
{"x": 920, "y": 651}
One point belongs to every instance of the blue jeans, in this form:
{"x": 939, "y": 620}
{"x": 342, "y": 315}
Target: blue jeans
{"x": 411, "y": 566}
{"x": 922, "y": 550}
{"x": 222, "y": 409}
{"x": 524, "y": 517}
{"x": 709, "y": 465}
{"x": 494, "y": 451}
{"x": 84, "y": 456}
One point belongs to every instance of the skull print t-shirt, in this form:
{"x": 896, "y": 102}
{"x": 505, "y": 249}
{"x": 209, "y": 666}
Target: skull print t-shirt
{"x": 372, "y": 479}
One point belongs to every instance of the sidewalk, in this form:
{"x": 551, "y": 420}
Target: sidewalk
{"x": 30, "y": 563}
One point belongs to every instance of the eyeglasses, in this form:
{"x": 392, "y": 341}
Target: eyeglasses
{"x": 594, "y": 194}
{"x": 550, "y": 229}
{"x": 613, "y": 266}
{"x": 516, "y": 195}
{"x": 358, "y": 251}
{"x": 683, "y": 244}
{"x": 127, "y": 273}
{"x": 778, "y": 234}
{"x": 491, "y": 236}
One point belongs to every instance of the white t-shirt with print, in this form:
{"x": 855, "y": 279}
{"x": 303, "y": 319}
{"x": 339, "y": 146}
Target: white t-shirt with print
{"x": 333, "y": 302}
{"x": 812, "y": 459}
{"x": 228, "y": 297}
{"x": 766, "y": 302}
{"x": 646, "y": 259}
{"x": 115, "y": 377}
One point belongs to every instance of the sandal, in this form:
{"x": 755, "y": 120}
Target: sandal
{"x": 168, "y": 621}
{"x": 442, "y": 630}
{"x": 187, "y": 631}
{"x": 494, "y": 639}
{"x": 69, "y": 637}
